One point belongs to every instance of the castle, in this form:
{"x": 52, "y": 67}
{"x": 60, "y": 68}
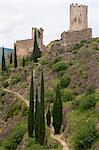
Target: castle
{"x": 24, "y": 47}
{"x": 78, "y": 31}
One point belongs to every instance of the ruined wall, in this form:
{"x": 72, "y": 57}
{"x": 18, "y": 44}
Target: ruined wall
{"x": 24, "y": 47}
{"x": 78, "y": 17}
{"x": 76, "y": 36}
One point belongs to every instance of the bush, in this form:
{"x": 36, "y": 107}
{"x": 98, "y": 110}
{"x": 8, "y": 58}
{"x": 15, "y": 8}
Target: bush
{"x": 3, "y": 93}
{"x": 15, "y": 137}
{"x": 65, "y": 81}
{"x": 87, "y": 102}
{"x": 43, "y": 60}
{"x": 85, "y": 135}
{"x": 67, "y": 94}
{"x": 49, "y": 95}
{"x": 59, "y": 66}
{"x": 5, "y": 83}
{"x": 16, "y": 79}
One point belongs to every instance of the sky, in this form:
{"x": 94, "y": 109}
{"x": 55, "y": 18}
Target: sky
{"x": 17, "y": 17}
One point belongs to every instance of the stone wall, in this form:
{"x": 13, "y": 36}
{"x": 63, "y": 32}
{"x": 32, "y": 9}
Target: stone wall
{"x": 76, "y": 36}
{"x": 24, "y": 47}
{"x": 78, "y": 17}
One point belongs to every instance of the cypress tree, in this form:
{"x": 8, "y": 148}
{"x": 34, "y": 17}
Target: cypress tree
{"x": 11, "y": 58}
{"x": 3, "y": 60}
{"x": 57, "y": 111}
{"x": 41, "y": 130}
{"x": 36, "y": 114}
{"x": 31, "y": 109}
{"x": 36, "y": 51}
{"x": 23, "y": 62}
{"x": 48, "y": 117}
{"x": 15, "y": 56}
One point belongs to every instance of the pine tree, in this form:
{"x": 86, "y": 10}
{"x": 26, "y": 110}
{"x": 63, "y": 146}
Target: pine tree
{"x": 31, "y": 109}
{"x": 15, "y": 56}
{"x": 57, "y": 111}
{"x": 41, "y": 130}
{"x": 48, "y": 117}
{"x": 36, "y": 51}
{"x": 36, "y": 114}
{"x": 3, "y": 60}
{"x": 23, "y": 62}
{"x": 11, "y": 58}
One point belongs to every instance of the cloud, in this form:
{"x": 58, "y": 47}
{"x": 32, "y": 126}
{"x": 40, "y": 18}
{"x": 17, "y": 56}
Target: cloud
{"x": 8, "y": 22}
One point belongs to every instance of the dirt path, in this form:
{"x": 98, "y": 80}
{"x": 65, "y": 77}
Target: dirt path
{"x": 59, "y": 138}
{"x": 18, "y": 95}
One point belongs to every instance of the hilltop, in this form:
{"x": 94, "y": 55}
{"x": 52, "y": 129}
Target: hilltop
{"x": 76, "y": 67}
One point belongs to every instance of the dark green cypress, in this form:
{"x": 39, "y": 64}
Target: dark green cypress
{"x": 36, "y": 51}
{"x": 48, "y": 117}
{"x": 23, "y": 62}
{"x": 41, "y": 133}
{"x": 57, "y": 111}
{"x": 36, "y": 114}
{"x": 11, "y": 58}
{"x": 31, "y": 109}
{"x": 15, "y": 56}
{"x": 3, "y": 60}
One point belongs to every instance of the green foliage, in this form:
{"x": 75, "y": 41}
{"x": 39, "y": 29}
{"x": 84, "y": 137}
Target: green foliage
{"x": 31, "y": 109}
{"x": 77, "y": 46}
{"x": 24, "y": 110}
{"x": 85, "y": 135}
{"x": 15, "y": 137}
{"x": 49, "y": 95}
{"x": 59, "y": 66}
{"x": 65, "y": 81}
{"x": 5, "y": 83}
{"x": 41, "y": 122}
{"x": 57, "y": 111}
{"x": 36, "y": 51}
{"x": 16, "y": 78}
{"x": 3, "y": 65}
{"x": 43, "y": 60}
{"x": 48, "y": 117}
{"x": 67, "y": 94}
{"x": 15, "y": 56}
{"x": 13, "y": 110}
{"x": 23, "y": 62}
{"x": 87, "y": 102}
{"x": 2, "y": 93}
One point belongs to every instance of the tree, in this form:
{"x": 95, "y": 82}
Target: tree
{"x": 41, "y": 130}
{"x": 48, "y": 117}
{"x": 31, "y": 109}
{"x": 23, "y": 62}
{"x": 15, "y": 56}
{"x": 36, "y": 51}
{"x": 36, "y": 114}
{"x": 11, "y": 58}
{"x": 57, "y": 111}
{"x": 3, "y": 60}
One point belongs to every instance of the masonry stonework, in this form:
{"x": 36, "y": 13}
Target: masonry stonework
{"x": 25, "y": 47}
{"x": 79, "y": 30}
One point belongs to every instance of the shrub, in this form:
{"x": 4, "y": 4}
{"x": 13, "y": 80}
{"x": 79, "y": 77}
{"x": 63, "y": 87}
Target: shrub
{"x": 67, "y": 94}
{"x": 16, "y": 79}
{"x": 85, "y": 135}
{"x": 49, "y": 95}
{"x": 87, "y": 102}
{"x": 3, "y": 93}
{"x": 15, "y": 137}
{"x": 65, "y": 81}
{"x": 43, "y": 60}
{"x": 59, "y": 66}
{"x": 5, "y": 83}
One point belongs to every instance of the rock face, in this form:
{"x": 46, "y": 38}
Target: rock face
{"x": 24, "y": 47}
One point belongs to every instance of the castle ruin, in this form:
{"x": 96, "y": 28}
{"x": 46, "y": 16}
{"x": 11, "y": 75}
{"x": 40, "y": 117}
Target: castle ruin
{"x": 24, "y": 47}
{"x": 78, "y": 25}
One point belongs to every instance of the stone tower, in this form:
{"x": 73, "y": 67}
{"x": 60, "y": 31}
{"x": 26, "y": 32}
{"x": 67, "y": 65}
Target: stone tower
{"x": 78, "y": 17}
{"x": 39, "y": 33}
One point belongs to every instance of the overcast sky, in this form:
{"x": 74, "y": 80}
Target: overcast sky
{"x": 17, "y": 17}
